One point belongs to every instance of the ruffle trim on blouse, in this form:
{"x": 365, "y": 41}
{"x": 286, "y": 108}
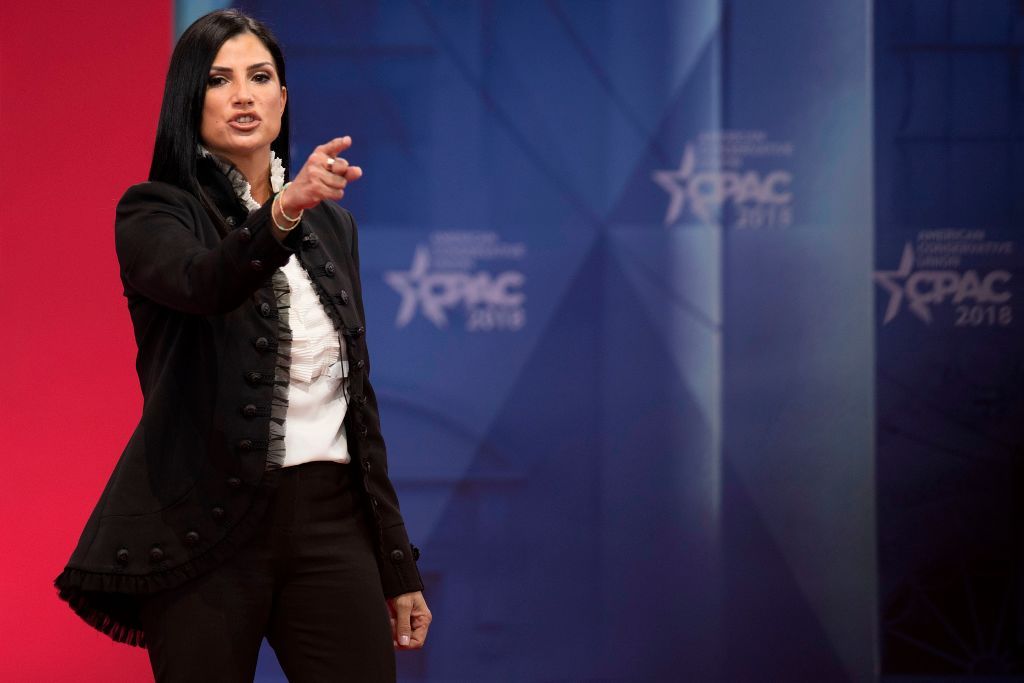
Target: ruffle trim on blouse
{"x": 109, "y": 602}
{"x": 315, "y": 353}
{"x": 282, "y": 372}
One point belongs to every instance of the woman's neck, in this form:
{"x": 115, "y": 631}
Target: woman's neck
{"x": 256, "y": 170}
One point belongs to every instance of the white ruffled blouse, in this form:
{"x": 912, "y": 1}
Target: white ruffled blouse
{"x": 317, "y": 387}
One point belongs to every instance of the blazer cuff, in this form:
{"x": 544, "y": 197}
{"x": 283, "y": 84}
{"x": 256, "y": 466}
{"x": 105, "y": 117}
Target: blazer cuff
{"x": 263, "y": 244}
{"x": 397, "y": 563}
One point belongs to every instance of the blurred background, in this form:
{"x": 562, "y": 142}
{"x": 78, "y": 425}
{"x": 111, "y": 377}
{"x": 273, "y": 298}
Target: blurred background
{"x": 694, "y": 323}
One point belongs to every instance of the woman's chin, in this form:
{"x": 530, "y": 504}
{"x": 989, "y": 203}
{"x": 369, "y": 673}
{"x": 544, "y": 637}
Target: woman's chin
{"x": 241, "y": 148}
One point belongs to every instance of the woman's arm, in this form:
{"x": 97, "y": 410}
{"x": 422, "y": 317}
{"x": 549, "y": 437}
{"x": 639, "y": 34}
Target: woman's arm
{"x": 397, "y": 560}
{"x": 163, "y": 259}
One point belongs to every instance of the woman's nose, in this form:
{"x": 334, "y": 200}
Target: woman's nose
{"x": 242, "y": 94}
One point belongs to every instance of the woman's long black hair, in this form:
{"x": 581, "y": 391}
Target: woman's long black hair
{"x": 178, "y": 131}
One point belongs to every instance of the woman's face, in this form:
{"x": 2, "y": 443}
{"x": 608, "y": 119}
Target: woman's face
{"x": 244, "y": 101}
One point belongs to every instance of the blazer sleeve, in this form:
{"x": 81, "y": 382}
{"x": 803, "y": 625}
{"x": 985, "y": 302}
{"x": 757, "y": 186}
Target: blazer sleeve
{"x": 169, "y": 251}
{"x": 397, "y": 560}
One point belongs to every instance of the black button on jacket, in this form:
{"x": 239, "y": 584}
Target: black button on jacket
{"x": 183, "y": 496}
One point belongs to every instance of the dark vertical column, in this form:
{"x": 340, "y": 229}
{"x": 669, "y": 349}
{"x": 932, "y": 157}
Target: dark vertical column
{"x": 949, "y": 337}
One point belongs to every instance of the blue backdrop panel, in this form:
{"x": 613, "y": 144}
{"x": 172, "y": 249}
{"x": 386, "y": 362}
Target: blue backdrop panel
{"x": 616, "y": 259}
{"x": 950, "y": 362}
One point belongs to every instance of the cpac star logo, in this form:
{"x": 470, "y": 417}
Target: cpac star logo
{"x": 674, "y": 182}
{"x": 407, "y": 283}
{"x": 708, "y": 189}
{"x": 889, "y": 280}
{"x": 924, "y": 288}
{"x": 434, "y": 293}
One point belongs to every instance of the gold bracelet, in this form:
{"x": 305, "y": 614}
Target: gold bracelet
{"x": 281, "y": 206}
{"x": 295, "y": 222}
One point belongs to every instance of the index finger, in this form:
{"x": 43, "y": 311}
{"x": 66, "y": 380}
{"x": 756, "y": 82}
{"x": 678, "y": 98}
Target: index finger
{"x": 335, "y": 146}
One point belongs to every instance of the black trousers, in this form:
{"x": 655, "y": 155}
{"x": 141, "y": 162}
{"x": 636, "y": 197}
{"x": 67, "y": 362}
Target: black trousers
{"x": 308, "y": 583}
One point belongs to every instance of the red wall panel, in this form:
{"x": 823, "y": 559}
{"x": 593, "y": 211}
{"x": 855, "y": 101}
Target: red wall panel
{"x": 80, "y": 87}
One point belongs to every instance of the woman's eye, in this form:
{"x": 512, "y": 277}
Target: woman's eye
{"x": 261, "y": 77}
{"x": 214, "y": 81}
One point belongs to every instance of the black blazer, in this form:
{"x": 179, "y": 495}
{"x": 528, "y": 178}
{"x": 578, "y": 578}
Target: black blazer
{"x": 195, "y": 478}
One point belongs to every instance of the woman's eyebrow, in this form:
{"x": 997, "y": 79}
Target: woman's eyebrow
{"x": 261, "y": 65}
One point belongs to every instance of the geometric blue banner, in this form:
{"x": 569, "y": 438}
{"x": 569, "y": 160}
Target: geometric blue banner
{"x": 616, "y": 259}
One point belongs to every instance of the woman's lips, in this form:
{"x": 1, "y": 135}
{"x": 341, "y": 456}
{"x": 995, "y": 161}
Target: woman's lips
{"x": 246, "y": 123}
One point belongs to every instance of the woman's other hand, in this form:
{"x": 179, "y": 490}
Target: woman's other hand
{"x": 410, "y": 619}
{"x": 324, "y": 176}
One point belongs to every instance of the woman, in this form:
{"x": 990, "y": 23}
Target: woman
{"x": 253, "y": 498}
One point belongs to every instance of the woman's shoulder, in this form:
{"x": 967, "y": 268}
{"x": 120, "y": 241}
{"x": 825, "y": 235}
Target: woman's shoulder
{"x": 155, "y": 192}
{"x": 148, "y": 205}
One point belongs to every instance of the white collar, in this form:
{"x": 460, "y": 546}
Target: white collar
{"x": 238, "y": 182}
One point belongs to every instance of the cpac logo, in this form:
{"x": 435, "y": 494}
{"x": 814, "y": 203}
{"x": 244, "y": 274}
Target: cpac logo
{"x": 708, "y": 190}
{"x": 435, "y": 293}
{"x": 925, "y": 288}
